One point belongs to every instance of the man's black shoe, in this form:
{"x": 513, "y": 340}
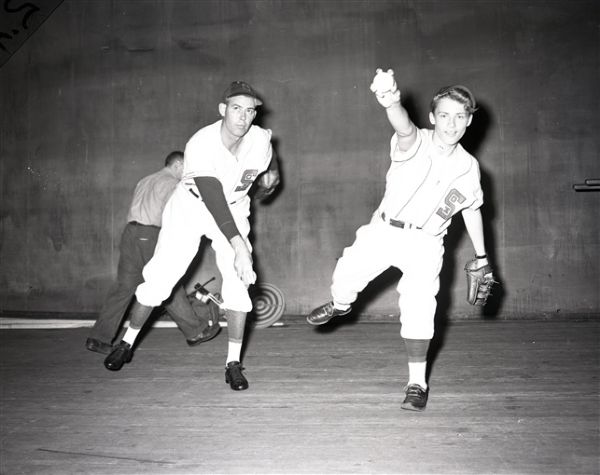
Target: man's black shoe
{"x": 121, "y": 354}
{"x": 98, "y": 346}
{"x": 234, "y": 376}
{"x": 208, "y": 333}
{"x": 324, "y": 313}
{"x": 416, "y": 398}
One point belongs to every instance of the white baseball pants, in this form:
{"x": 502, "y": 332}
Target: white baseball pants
{"x": 185, "y": 220}
{"x": 419, "y": 256}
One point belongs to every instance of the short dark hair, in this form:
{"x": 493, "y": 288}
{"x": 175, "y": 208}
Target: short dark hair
{"x": 458, "y": 93}
{"x": 173, "y": 157}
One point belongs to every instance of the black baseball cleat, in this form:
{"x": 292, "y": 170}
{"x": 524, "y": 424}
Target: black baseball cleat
{"x": 324, "y": 313}
{"x": 234, "y": 376}
{"x": 208, "y": 333}
{"x": 416, "y": 398}
{"x": 98, "y": 346}
{"x": 121, "y": 354}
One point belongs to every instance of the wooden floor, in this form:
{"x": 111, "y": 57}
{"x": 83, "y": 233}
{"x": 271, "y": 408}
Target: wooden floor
{"x": 506, "y": 397}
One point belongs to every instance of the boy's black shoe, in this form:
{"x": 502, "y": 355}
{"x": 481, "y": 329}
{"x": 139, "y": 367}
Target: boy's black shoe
{"x": 416, "y": 398}
{"x": 324, "y": 313}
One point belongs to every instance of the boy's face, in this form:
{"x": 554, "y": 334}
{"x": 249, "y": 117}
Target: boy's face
{"x": 450, "y": 120}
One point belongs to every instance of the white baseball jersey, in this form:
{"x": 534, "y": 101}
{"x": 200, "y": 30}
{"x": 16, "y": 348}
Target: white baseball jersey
{"x": 425, "y": 188}
{"x": 186, "y": 218}
{"x": 205, "y": 155}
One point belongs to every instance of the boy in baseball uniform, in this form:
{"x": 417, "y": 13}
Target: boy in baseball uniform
{"x": 431, "y": 178}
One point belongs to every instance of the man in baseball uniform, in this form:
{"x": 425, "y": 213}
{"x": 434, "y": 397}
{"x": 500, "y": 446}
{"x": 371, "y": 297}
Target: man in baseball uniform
{"x": 431, "y": 178}
{"x": 138, "y": 241}
{"x": 222, "y": 161}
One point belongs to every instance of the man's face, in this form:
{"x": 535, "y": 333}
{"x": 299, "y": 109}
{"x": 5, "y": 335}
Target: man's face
{"x": 238, "y": 114}
{"x": 178, "y": 169}
{"x": 450, "y": 120}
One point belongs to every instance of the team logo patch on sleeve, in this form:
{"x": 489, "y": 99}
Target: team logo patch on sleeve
{"x": 248, "y": 178}
{"x": 452, "y": 198}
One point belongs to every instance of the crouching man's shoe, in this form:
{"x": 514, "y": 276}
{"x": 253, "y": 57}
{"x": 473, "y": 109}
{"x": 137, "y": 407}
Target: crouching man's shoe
{"x": 324, "y": 313}
{"x": 98, "y": 346}
{"x": 416, "y": 398}
{"x": 121, "y": 354}
{"x": 208, "y": 333}
{"x": 234, "y": 376}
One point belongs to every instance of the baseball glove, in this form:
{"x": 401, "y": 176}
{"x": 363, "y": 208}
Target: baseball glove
{"x": 480, "y": 281}
{"x": 263, "y": 192}
{"x": 267, "y": 184}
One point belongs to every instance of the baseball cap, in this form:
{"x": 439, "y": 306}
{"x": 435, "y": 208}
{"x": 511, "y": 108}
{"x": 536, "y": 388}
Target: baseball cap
{"x": 240, "y": 88}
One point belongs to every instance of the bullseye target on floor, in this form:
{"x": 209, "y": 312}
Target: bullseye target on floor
{"x": 268, "y": 305}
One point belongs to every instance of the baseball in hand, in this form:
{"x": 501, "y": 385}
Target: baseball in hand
{"x": 269, "y": 179}
{"x": 383, "y": 82}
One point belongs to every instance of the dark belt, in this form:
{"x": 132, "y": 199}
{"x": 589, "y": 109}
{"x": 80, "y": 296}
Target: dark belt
{"x": 135, "y": 223}
{"x": 399, "y": 224}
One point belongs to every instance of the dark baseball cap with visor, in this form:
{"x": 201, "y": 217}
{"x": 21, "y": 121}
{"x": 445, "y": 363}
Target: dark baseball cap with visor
{"x": 240, "y": 88}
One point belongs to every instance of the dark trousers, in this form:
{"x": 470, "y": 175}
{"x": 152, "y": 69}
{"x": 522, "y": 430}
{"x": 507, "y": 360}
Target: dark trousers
{"x": 136, "y": 249}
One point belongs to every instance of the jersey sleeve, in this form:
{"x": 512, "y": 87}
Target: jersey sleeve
{"x": 201, "y": 154}
{"x": 477, "y": 191}
{"x": 269, "y": 156}
{"x": 211, "y": 192}
{"x": 273, "y": 163}
{"x": 401, "y": 156}
{"x": 198, "y": 163}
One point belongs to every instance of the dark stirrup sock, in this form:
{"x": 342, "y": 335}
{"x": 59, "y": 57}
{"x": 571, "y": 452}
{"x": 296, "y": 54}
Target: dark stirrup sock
{"x": 139, "y": 314}
{"x": 416, "y": 350}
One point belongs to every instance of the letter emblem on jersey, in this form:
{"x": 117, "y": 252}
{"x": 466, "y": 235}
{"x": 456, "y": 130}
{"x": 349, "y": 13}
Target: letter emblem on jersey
{"x": 454, "y": 196}
{"x": 248, "y": 178}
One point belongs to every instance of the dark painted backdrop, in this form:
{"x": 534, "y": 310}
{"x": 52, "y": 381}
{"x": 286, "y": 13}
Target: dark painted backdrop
{"x": 103, "y": 90}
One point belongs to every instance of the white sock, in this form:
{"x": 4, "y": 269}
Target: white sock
{"x": 416, "y": 373}
{"x": 340, "y": 306}
{"x": 130, "y": 335}
{"x": 234, "y": 350}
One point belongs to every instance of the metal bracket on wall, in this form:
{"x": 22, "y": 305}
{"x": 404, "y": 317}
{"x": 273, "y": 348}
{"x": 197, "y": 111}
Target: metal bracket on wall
{"x": 591, "y": 184}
